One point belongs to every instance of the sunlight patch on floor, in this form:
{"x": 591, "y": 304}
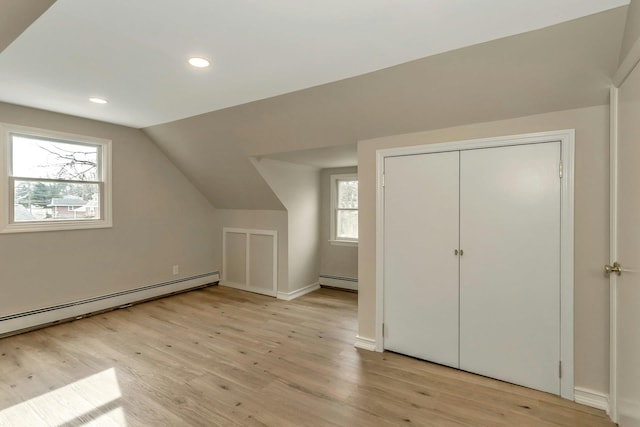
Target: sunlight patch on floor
{"x": 94, "y": 400}
{"x": 115, "y": 417}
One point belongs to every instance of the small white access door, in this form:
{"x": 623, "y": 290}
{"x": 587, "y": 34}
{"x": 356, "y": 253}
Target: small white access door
{"x": 626, "y": 291}
{"x": 510, "y": 270}
{"x": 250, "y": 260}
{"x": 420, "y": 237}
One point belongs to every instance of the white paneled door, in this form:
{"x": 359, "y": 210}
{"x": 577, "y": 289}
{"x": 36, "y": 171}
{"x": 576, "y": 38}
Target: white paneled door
{"x": 471, "y": 260}
{"x": 421, "y": 262}
{"x": 510, "y": 270}
{"x": 626, "y": 354}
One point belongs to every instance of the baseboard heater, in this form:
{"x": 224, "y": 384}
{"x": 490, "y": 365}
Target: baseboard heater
{"x": 339, "y": 282}
{"x": 21, "y": 322}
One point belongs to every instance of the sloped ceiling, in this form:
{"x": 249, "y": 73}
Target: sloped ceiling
{"x": 214, "y": 162}
{"x": 564, "y": 66}
{"x": 632, "y": 30}
{"x": 134, "y": 52}
{"x": 17, "y": 15}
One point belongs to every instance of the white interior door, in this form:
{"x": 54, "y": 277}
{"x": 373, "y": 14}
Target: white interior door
{"x": 420, "y": 266}
{"x": 628, "y": 252}
{"x": 510, "y": 271}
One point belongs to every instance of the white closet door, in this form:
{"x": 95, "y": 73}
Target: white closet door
{"x": 420, "y": 267}
{"x": 510, "y": 270}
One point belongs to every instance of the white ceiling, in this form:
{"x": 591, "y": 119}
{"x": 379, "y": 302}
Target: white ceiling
{"x": 134, "y": 52}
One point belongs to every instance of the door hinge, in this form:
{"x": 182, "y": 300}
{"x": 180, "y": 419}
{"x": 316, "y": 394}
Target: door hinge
{"x": 561, "y": 168}
{"x": 384, "y": 331}
{"x": 383, "y": 180}
{"x": 560, "y": 369}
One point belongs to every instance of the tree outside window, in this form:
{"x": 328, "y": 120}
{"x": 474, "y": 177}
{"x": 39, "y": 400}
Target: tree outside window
{"x": 54, "y": 180}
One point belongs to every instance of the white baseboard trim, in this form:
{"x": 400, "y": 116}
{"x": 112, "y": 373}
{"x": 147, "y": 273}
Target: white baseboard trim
{"x": 299, "y": 292}
{"x": 31, "y": 319}
{"x": 365, "y": 343}
{"x": 242, "y": 287}
{"x": 594, "y": 399}
{"x": 339, "y": 282}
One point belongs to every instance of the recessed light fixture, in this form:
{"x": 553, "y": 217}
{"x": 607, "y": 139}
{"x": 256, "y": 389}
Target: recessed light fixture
{"x": 199, "y": 62}
{"x": 97, "y": 100}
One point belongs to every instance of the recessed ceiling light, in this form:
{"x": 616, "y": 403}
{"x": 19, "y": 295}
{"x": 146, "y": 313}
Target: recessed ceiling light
{"x": 97, "y": 100}
{"x": 199, "y": 62}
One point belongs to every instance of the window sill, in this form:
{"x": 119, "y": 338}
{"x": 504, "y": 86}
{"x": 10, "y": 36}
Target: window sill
{"x": 55, "y": 226}
{"x": 344, "y": 243}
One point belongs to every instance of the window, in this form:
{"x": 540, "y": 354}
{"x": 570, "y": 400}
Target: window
{"x": 53, "y": 181}
{"x": 344, "y": 209}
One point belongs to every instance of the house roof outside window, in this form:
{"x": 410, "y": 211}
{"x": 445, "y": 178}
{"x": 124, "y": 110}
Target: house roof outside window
{"x": 71, "y": 201}
{"x": 90, "y": 204}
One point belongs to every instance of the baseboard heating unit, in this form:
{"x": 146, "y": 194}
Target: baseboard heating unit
{"x": 21, "y": 322}
{"x": 339, "y": 282}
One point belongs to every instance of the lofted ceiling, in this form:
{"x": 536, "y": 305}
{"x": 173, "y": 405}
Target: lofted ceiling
{"x": 302, "y": 81}
{"x": 561, "y": 67}
{"x": 134, "y": 52}
{"x": 16, "y": 15}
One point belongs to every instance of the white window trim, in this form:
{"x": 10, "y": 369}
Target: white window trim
{"x": 334, "y": 194}
{"x": 6, "y": 196}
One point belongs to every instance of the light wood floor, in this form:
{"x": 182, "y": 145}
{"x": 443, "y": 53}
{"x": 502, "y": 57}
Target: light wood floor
{"x": 219, "y": 356}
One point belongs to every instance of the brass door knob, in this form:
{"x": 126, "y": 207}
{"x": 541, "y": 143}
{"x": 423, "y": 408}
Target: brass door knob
{"x": 615, "y": 268}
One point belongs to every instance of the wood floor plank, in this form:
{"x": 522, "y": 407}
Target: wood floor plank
{"x": 223, "y": 357}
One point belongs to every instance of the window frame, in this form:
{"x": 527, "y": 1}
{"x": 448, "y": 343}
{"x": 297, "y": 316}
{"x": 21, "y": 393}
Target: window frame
{"x": 333, "y": 238}
{"x": 7, "y": 181}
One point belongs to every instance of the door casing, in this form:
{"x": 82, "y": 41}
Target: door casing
{"x": 567, "y": 140}
{"x": 622, "y": 408}
{"x": 613, "y": 253}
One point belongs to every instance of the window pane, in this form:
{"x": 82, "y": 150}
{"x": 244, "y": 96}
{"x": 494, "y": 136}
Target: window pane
{"x": 40, "y": 158}
{"x": 347, "y": 224}
{"x": 348, "y": 194}
{"x": 55, "y": 201}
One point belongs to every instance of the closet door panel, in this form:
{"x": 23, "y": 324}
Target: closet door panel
{"x": 420, "y": 267}
{"x": 510, "y": 270}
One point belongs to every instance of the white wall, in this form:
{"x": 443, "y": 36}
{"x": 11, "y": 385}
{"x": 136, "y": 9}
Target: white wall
{"x": 335, "y": 260}
{"x": 591, "y": 295}
{"x": 298, "y": 188}
{"x": 159, "y": 219}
